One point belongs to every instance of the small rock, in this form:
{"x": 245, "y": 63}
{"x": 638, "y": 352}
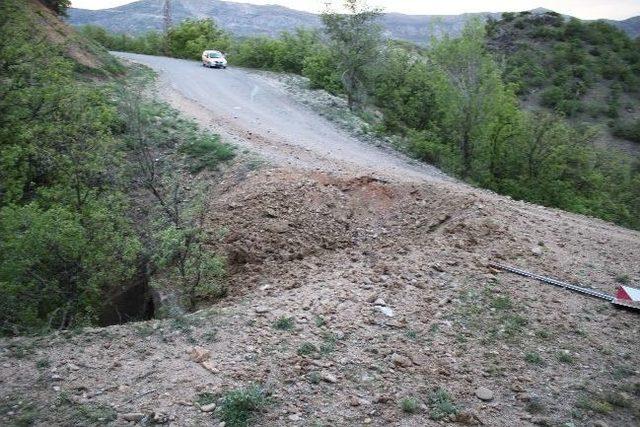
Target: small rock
{"x": 467, "y": 418}
{"x": 536, "y": 250}
{"x": 484, "y": 393}
{"x": 600, "y": 423}
{"x": 438, "y": 267}
{"x": 328, "y": 377}
{"x": 199, "y": 354}
{"x": 354, "y": 401}
{"x": 261, "y": 309}
{"x": 387, "y": 311}
{"x": 380, "y": 302}
{"x": 400, "y": 360}
{"x": 133, "y": 416}
{"x": 208, "y": 365}
{"x": 381, "y": 398}
{"x": 294, "y": 417}
{"x": 160, "y": 418}
{"x": 208, "y": 408}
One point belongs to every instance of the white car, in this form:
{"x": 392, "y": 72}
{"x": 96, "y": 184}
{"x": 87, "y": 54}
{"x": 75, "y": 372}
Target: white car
{"x": 213, "y": 59}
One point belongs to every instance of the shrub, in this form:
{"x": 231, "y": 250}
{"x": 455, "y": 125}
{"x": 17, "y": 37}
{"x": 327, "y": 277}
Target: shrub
{"x": 534, "y": 359}
{"x": 238, "y": 407}
{"x": 441, "y": 405}
{"x": 206, "y": 152}
{"x": 320, "y": 68}
{"x": 307, "y": 349}
{"x": 284, "y": 323}
{"x": 628, "y": 130}
{"x": 409, "y": 405}
{"x": 191, "y": 37}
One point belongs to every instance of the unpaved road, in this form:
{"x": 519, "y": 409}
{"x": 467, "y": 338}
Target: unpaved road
{"x": 258, "y": 114}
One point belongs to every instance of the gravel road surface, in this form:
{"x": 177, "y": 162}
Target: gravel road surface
{"x": 249, "y": 110}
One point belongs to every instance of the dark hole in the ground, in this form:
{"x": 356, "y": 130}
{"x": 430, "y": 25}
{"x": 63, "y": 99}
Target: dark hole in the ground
{"x": 129, "y": 302}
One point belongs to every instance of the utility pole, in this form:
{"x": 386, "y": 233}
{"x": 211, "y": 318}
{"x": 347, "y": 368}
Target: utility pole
{"x": 166, "y": 11}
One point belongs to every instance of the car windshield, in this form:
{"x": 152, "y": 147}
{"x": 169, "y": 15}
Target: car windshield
{"x": 215, "y": 55}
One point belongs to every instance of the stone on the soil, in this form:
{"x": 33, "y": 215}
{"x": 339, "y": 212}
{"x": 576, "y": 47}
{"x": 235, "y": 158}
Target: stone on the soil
{"x": 400, "y": 360}
{"x": 199, "y": 354}
{"x": 133, "y": 416}
{"x": 328, "y": 377}
{"x": 208, "y": 408}
{"x": 484, "y": 393}
{"x": 387, "y": 311}
{"x": 209, "y": 366}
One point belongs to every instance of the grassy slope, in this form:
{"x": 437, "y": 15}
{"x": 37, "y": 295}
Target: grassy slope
{"x": 88, "y": 55}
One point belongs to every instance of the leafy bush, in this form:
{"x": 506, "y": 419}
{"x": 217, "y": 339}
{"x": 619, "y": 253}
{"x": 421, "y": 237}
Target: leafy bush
{"x": 320, "y": 68}
{"x": 65, "y": 234}
{"x": 284, "y": 323}
{"x": 628, "y": 130}
{"x": 441, "y": 404}
{"x": 238, "y": 407}
{"x": 58, "y": 6}
{"x": 191, "y": 37}
{"x": 409, "y": 405}
{"x": 206, "y": 152}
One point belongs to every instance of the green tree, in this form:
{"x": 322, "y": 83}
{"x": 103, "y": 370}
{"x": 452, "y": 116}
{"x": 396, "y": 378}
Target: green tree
{"x": 469, "y": 91}
{"x": 191, "y": 37}
{"x": 58, "y": 6}
{"x": 355, "y": 44}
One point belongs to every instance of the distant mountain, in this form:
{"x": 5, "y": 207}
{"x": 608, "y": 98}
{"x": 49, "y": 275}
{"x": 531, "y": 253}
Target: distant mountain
{"x": 630, "y": 26}
{"x": 245, "y": 19}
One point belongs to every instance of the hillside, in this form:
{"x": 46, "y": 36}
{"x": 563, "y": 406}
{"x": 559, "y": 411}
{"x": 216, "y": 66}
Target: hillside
{"x": 245, "y": 19}
{"x": 588, "y": 71}
{"x": 303, "y": 278}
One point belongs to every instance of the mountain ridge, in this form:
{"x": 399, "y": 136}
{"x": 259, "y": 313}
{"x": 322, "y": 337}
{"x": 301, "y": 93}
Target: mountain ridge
{"x": 245, "y": 19}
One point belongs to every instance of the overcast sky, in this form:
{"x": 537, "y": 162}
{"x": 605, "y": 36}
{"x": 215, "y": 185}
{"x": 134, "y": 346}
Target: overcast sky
{"x": 585, "y": 9}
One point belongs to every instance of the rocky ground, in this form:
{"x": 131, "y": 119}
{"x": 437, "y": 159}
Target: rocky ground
{"x": 360, "y": 299}
{"x": 356, "y": 301}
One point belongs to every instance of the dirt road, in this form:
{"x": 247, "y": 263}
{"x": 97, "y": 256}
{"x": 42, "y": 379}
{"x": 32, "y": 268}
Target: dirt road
{"x": 253, "y": 112}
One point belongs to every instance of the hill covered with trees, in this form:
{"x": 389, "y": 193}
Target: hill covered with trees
{"x": 587, "y": 71}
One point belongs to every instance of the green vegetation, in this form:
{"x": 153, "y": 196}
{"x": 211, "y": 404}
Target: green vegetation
{"x": 238, "y": 407}
{"x": 58, "y": 6}
{"x": 534, "y": 359}
{"x": 73, "y": 151}
{"x": 205, "y": 398}
{"x": 582, "y": 69}
{"x": 186, "y": 40}
{"x": 409, "y": 405}
{"x": 284, "y": 323}
{"x": 307, "y": 349}
{"x": 441, "y": 405}
{"x": 565, "y": 357}
{"x": 355, "y": 38}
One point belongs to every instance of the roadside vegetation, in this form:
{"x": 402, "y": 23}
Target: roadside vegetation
{"x": 456, "y": 104}
{"x": 87, "y": 204}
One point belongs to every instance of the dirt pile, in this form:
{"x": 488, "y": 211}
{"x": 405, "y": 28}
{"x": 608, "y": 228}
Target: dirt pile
{"x": 356, "y": 301}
